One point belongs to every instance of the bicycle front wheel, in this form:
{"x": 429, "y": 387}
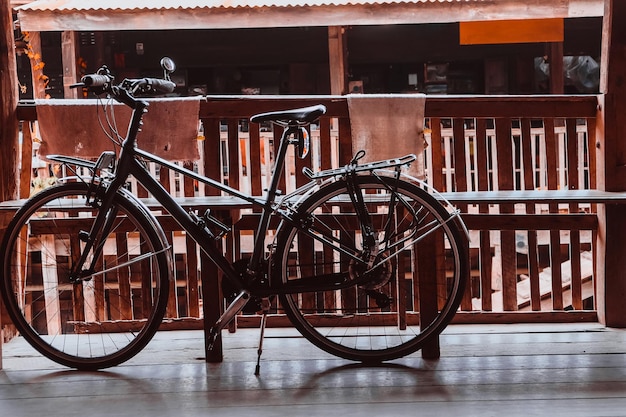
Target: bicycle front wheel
{"x": 105, "y": 317}
{"x": 385, "y": 308}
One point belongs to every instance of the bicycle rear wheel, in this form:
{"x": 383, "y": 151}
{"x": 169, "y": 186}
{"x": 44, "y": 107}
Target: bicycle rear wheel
{"x": 409, "y": 295}
{"x": 103, "y": 319}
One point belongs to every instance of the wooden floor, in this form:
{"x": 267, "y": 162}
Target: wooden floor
{"x": 498, "y": 370}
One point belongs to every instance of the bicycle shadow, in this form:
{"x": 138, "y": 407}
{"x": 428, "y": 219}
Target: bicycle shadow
{"x": 387, "y": 380}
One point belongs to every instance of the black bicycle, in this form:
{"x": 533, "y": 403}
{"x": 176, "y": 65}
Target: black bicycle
{"x": 368, "y": 264}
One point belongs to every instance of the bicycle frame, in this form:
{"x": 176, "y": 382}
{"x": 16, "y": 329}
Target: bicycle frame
{"x": 131, "y": 163}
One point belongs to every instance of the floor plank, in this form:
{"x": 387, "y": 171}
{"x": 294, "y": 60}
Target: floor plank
{"x": 497, "y": 370}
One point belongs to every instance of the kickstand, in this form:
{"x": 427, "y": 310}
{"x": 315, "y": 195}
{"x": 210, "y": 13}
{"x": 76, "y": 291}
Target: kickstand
{"x": 257, "y": 370}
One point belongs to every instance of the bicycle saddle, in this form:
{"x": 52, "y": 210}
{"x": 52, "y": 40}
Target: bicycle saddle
{"x": 301, "y": 115}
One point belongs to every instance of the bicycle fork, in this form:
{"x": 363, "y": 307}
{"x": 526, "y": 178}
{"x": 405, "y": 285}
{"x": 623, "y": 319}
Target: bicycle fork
{"x": 95, "y": 238}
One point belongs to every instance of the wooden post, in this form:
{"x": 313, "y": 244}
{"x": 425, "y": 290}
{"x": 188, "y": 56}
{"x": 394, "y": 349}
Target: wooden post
{"x": 611, "y": 167}
{"x": 337, "y": 58}
{"x": 8, "y": 120}
{"x": 69, "y": 50}
{"x": 39, "y": 90}
{"x": 555, "y": 57}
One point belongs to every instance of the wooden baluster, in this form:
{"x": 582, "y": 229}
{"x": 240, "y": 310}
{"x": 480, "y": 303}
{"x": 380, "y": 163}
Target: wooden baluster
{"x": 461, "y": 180}
{"x": 436, "y": 179}
{"x": 325, "y": 144}
{"x": 172, "y": 310}
{"x": 529, "y": 184}
{"x": 193, "y": 301}
{"x": 78, "y": 301}
{"x": 486, "y": 260}
{"x": 50, "y": 281}
{"x": 254, "y": 171}
{"x": 508, "y": 254}
{"x": 172, "y": 301}
{"x": 123, "y": 278}
{"x": 326, "y": 151}
{"x": 555, "y": 234}
{"x": 592, "y": 178}
{"x": 574, "y": 236}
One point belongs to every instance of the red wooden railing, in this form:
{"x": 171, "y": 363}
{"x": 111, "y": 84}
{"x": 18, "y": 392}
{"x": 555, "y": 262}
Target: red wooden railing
{"x": 531, "y": 261}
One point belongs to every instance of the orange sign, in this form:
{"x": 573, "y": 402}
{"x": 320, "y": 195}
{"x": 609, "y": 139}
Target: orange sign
{"x": 511, "y": 31}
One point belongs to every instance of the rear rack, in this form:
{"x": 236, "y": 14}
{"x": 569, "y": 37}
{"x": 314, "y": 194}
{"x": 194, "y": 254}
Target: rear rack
{"x": 370, "y": 166}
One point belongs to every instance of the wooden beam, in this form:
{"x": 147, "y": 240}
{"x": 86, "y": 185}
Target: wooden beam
{"x": 530, "y": 106}
{"x": 611, "y": 167}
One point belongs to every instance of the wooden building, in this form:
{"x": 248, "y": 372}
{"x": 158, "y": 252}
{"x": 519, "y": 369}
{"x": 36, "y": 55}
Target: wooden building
{"x": 276, "y": 54}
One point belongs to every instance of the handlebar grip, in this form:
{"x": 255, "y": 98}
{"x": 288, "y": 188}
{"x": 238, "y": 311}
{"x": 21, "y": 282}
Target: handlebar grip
{"x": 162, "y": 86}
{"x": 96, "y": 80}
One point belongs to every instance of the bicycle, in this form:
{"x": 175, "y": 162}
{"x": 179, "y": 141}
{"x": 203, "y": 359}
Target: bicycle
{"x": 359, "y": 252}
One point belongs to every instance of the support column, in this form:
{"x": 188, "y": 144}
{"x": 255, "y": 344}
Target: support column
{"x": 337, "y": 60}
{"x": 8, "y": 119}
{"x": 69, "y": 48}
{"x": 37, "y": 77}
{"x": 611, "y": 167}
{"x": 555, "y": 57}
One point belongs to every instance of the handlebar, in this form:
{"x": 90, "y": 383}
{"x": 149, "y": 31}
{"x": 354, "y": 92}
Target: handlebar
{"x": 126, "y": 91}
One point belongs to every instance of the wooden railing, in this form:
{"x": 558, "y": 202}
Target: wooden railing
{"x": 533, "y": 257}
{"x": 531, "y": 261}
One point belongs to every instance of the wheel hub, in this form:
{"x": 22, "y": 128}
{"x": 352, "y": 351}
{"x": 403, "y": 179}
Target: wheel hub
{"x": 375, "y": 278}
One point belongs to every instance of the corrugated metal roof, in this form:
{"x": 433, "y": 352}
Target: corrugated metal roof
{"x": 77, "y": 5}
{"x": 81, "y": 15}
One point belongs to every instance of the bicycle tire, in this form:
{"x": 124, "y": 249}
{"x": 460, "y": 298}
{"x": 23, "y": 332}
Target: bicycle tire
{"x": 97, "y": 322}
{"x": 352, "y": 323}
